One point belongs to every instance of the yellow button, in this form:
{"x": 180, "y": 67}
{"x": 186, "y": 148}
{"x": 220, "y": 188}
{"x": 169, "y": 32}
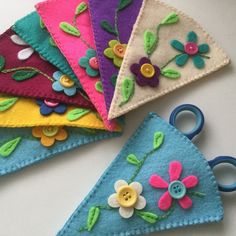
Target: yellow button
{"x": 50, "y": 131}
{"x": 66, "y": 81}
{"x": 119, "y": 50}
{"x": 147, "y": 70}
{"x": 127, "y": 196}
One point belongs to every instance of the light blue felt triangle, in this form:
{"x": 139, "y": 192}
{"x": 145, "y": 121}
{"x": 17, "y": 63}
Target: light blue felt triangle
{"x": 104, "y": 221}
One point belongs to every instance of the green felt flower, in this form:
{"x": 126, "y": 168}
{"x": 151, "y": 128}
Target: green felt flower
{"x": 191, "y": 50}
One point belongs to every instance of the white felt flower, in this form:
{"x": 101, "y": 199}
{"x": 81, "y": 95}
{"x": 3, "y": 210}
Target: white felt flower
{"x": 127, "y": 198}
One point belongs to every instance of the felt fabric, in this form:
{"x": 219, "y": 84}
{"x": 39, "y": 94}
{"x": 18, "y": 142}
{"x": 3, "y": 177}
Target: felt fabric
{"x": 149, "y": 18}
{"x": 126, "y": 20}
{"x": 175, "y": 148}
{"x": 39, "y": 86}
{"x": 55, "y": 12}
{"x": 30, "y": 151}
{"x": 28, "y": 28}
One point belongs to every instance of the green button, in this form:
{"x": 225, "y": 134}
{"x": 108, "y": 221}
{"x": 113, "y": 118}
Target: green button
{"x": 177, "y": 190}
{"x": 50, "y": 131}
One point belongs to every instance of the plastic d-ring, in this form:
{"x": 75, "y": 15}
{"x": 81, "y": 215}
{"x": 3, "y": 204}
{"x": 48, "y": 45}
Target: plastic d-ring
{"x": 220, "y": 160}
{"x": 199, "y": 119}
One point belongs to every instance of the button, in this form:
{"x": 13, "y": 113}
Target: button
{"x": 191, "y": 48}
{"x": 177, "y": 189}
{"x": 50, "y": 131}
{"x": 66, "y": 81}
{"x": 119, "y": 50}
{"x": 127, "y": 196}
{"x": 50, "y": 103}
{"x": 147, "y": 70}
{"x": 93, "y": 62}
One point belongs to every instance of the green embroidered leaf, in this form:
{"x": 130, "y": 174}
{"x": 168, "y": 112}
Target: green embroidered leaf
{"x": 170, "y": 19}
{"x": 6, "y": 104}
{"x": 52, "y": 42}
{"x": 158, "y": 140}
{"x": 93, "y": 216}
{"x": 127, "y": 90}
{"x": 22, "y": 75}
{"x": 77, "y": 114}
{"x": 81, "y": 8}
{"x": 113, "y": 80}
{"x": 171, "y": 73}
{"x": 148, "y": 216}
{"x": 123, "y": 4}
{"x": 108, "y": 27}
{"x": 7, "y": 148}
{"x": 132, "y": 159}
{"x": 41, "y": 23}
{"x": 2, "y": 63}
{"x": 69, "y": 29}
{"x": 150, "y": 42}
{"x": 98, "y": 87}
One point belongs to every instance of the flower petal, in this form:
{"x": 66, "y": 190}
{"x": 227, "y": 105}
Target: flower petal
{"x": 177, "y": 45}
{"x": 165, "y": 201}
{"x": 175, "y": 170}
{"x": 57, "y": 75}
{"x": 112, "y": 201}
{"x": 91, "y": 53}
{"x": 156, "y": 181}
{"x": 108, "y": 52}
{"x": 84, "y": 62}
{"x": 182, "y": 59}
{"x": 112, "y": 43}
{"x": 140, "y": 80}
{"x": 137, "y": 187}
{"x": 17, "y": 40}
{"x": 45, "y": 110}
{"x": 57, "y": 86}
{"x": 37, "y": 132}
{"x": 62, "y": 135}
{"x": 61, "y": 109}
{"x": 117, "y": 61}
{"x": 190, "y": 181}
{"x": 119, "y": 183}
{"x": 192, "y": 37}
{"x": 70, "y": 91}
{"x": 91, "y": 72}
{"x": 141, "y": 203}
{"x": 126, "y": 212}
{"x": 185, "y": 202}
{"x": 198, "y": 62}
{"x": 203, "y": 48}
{"x": 25, "y": 54}
{"x": 47, "y": 141}
{"x": 135, "y": 68}
{"x": 144, "y": 60}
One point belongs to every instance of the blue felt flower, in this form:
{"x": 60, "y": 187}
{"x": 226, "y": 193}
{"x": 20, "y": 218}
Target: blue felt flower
{"x": 63, "y": 83}
{"x": 47, "y": 107}
{"x": 90, "y": 63}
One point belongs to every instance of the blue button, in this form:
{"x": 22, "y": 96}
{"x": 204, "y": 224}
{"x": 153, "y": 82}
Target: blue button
{"x": 177, "y": 190}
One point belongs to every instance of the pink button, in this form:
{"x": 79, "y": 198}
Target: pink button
{"x": 51, "y": 103}
{"x": 191, "y": 48}
{"x": 93, "y": 62}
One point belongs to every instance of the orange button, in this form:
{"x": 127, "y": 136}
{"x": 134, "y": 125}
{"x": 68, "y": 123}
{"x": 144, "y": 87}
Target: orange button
{"x": 119, "y": 50}
{"x": 67, "y": 81}
{"x": 147, "y": 70}
{"x": 127, "y": 196}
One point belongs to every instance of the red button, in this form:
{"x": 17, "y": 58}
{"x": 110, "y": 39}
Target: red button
{"x": 93, "y": 62}
{"x": 51, "y": 103}
{"x": 191, "y": 48}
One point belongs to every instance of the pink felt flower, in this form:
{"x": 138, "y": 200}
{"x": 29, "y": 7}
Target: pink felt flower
{"x": 176, "y": 189}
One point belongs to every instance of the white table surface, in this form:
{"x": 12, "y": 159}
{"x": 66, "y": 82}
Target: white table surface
{"x": 38, "y": 200}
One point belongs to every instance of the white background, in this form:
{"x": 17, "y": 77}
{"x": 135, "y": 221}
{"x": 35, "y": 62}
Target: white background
{"x": 38, "y": 200}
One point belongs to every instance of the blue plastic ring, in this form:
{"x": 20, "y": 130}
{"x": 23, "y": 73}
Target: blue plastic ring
{"x": 224, "y": 159}
{"x": 199, "y": 119}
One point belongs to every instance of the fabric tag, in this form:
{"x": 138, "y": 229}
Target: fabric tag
{"x": 24, "y": 73}
{"x": 166, "y": 51}
{"x": 69, "y": 25}
{"x": 112, "y": 28}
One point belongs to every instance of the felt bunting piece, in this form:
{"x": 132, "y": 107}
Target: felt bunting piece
{"x": 24, "y": 73}
{"x": 71, "y": 30}
{"x": 166, "y": 51}
{"x": 113, "y": 25}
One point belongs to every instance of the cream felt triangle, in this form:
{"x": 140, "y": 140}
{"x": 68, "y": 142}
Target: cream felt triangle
{"x": 175, "y": 51}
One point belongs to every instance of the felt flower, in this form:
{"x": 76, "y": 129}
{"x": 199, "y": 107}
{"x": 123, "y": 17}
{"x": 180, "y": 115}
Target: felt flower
{"x": 116, "y": 52}
{"x": 176, "y": 189}
{"x": 63, "y": 83}
{"x": 49, "y": 134}
{"x": 191, "y": 50}
{"x": 90, "y": 63}
{"x": 47, "y": 107}
{"x": 146, "y": 73}
{"x": 127, "y": 198}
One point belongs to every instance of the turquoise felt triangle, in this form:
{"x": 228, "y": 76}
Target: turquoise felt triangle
{"x": 95, "y": 217}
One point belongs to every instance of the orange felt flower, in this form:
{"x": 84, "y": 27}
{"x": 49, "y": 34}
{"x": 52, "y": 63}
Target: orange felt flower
{"x": 49, "y": 134}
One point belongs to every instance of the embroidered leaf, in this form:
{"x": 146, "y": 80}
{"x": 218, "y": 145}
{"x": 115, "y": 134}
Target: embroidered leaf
{"x": 158, "y": 140}
{"x": 127, "y": 90}
{"x": 22, "y": 75}
{"x": 170, "y": 19}
{"x": 171, "y": 73}
{"x": 81, "y": 8}
{"x": 7, "y": 148}
{"x": 113, "y": 80}
{"x": 69, "y": 29}
{"x": 132, "y": 159}
{"x": 123, "y": 4}
{"x": 2, "y": 63}
{"x": 99, "y": 87}
{"x": 6, "y": 104}
{"x": 93, "y": 216}
{"x": 77, "y": 114}
{"x": 150, "y": 42}
{"x": 52, "y": 42}
{"x": 41, "y": 23}
{"x": 108, "y": 27}
{"x": 148, "y": 216}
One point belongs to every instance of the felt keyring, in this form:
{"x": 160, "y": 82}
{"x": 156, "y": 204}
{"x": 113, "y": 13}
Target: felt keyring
{"x": 69, "y": 24}
{"x": 162, "y": 184}
{"x": 167, "y": 50}
{"x": 25, "y": 73}
{"x": 112, "y": 29}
